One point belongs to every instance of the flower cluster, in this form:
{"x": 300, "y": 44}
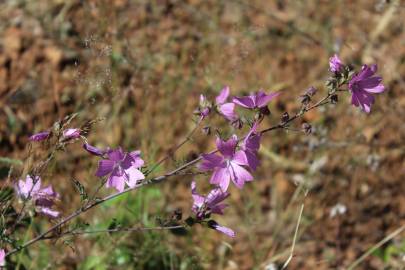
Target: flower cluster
{"x": 43, "y": 198}
{"x": 204, "y": 206}
{"x": 362, "y": 85}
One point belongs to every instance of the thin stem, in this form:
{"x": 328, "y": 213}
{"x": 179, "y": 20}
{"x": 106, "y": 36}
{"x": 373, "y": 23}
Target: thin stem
{"x": 375, "y": 247}
{"x": 295, "y": 238}
{"x": 130, "y": 229}
{"x": 177, "y": 147}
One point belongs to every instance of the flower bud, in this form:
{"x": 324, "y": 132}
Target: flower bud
{"x": 71, "y": 133}
{"x": 307, "y": 128}
{"x": 334, "y": 99}
{"x": 206, "y": 130}
{"x": 238, "y": 124}
{"x": 93, "y": 150}
{"x": 40, "y": 136}
{"x": 285, "y": 117}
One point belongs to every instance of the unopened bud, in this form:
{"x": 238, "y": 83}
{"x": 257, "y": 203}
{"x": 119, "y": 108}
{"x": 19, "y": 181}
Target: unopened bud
{"x": 285, "y": 117}
{"x": 238, "y": 124}
{"x": 307, "y": 128}
{"x": 206, "y": 130}
{"x": 334, "y": 99}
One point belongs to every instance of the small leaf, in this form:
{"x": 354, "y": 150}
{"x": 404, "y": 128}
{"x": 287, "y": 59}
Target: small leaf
{"x": 81, "y": 189}
{"x": 6, "y": 194}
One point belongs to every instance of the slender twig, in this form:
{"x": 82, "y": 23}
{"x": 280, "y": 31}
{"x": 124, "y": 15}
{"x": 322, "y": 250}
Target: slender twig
{"x": 177, "y": 147}
{"x": 157, "y": 179}
{"x": 295, "y": 238}
{"x": 130, "y": 229}
{"x": 375, "y": 247}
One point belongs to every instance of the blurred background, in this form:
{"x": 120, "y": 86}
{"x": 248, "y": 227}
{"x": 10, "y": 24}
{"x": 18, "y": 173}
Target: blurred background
{"x": 142, "y": 66}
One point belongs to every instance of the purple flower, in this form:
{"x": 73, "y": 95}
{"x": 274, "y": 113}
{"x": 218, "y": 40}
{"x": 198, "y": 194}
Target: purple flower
{"x": 93, "y": 150}
{"x": 255, "y": 101}
{"x": 250, "y": 147}
{"x": 228, "y": 165}
{"x": 227, "y": 109}
{"x": 208, "y": 204}
{"x": 205, "y": 107}
{"x": 40, "y": 136}
{"x": 71, "y": 133}
{"x": 335, "y": 64}
{"x": 43, "y": 198}
{"x": 364, "y": 85}
{"x": 122, "y": 168}
{"x": 2, "y": 257}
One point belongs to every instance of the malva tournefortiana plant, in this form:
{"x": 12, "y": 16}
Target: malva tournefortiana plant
{"x": 232, "y": 162}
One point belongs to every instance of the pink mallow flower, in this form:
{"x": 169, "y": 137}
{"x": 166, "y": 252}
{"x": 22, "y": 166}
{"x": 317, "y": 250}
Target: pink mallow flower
{"x": 43, "y": 198}
{"x": 227, "y": 166}
{"x": 2, "y": 258}
{"x": 250, "y": 147}
{"x": 122, "y": 168}
{"x": 227, "y": 109}
{"x": 40, "y": 136}
{"x": 335, "y": 64}
{"x": 204, "y": 206}
{"x": 364, "y": 85}
{"x": 71, "y": 133}
{"x": 256, "y": 101}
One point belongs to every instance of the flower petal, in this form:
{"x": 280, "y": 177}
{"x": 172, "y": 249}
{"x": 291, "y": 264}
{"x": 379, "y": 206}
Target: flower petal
{"x": 223, "y": 95}
{"x": 105, "y": 166}
{"x": 221, "y": 177}
{"x": 116, "y": 181}
{"x": 133, "y": 176}
{"x": 227, "y": 148}
{"x": 228, "y": 111}
{"x": 246, "y": 101}
{"x": 210, "y": 162}
{"x": 262, "y": 99}
{"x": 239, "y": 175}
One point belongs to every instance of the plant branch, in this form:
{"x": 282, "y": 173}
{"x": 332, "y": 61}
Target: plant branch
{"x": 153, "y": 180}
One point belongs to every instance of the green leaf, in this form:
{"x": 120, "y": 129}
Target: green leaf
{"x": 80, "y": 188}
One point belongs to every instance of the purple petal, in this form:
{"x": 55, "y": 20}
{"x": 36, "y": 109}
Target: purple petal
{"x": 239, "y": 175}
{"x": 2, "y": 257}
{"x": 223, "y": 96}
{"x": 218, "y": 209}
{"x": 116, "y": 181}
{"x": 71, "y": 133}
{"x": 136, "y": 156}
{"x": 253, "y": 161}
{"x": 210, "y": 161}
{"x": 49, "y": 212}
{"x": 221, "y": 177}
{"x": 116, "y": 155}
{"x": 225, "y": 230}
{"x": 93, "y": 150}
{"x": 105, "y": 166}
{"x": 262, "y": 99}
{"x": 133, "y": 176}
{"x": 216, "y": 196}
{"x": 39, "y": 136}
{"x": 246, "y": 101}
{"x": 228, "y": 111}
{"x": 227, "y": 148}
{"x": 197, "y": 198}
{"x": 240, "y": 158}
{"x": 335, "y": 64}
